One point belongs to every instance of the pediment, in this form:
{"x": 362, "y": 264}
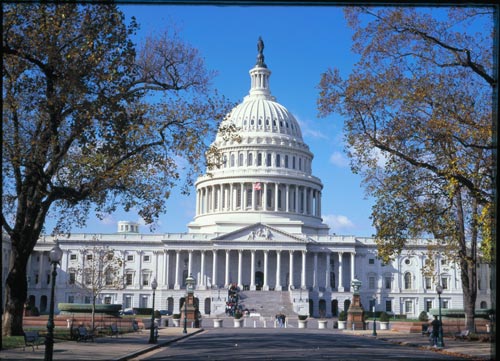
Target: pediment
{"x": 260, "y": 233}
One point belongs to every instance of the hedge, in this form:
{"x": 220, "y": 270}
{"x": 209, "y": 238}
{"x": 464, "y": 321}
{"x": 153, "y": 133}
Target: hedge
{"x": 67, "y": 308}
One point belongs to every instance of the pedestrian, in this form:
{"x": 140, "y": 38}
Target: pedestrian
{"x": 435, "y": 330}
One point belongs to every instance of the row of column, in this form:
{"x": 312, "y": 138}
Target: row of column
{"x": 201, "y": 281}
{"x": 258, "y": 196}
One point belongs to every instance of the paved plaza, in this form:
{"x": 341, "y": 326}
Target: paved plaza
{"x": 228, "y": 343}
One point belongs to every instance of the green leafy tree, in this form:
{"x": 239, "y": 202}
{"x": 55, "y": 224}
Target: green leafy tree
{"x": 418, "y": 127}
{"x": 93, "y": 122}
{"x": 101, "y": 269}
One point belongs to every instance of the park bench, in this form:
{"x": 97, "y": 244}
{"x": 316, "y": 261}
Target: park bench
{"x": 462, "y": 335}
{"x": 114, "y": 330}
{"x": 84, "y": 334}
{"x": 32, "y": 338}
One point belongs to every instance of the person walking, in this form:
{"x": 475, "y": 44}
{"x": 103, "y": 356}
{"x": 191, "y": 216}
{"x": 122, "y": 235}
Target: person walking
{"x": 435, "y": 330}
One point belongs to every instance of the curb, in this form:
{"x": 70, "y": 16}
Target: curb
{"x": 153, "y": 347}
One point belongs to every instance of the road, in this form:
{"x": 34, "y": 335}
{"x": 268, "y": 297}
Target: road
{"x": 287, "y": 344}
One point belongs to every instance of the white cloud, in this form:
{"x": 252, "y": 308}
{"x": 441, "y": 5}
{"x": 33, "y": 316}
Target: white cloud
{"x": 308, "y": 131}
{"x": 108, "y": 220}
{"x": 339, "y": 159}
{"x": 338, "y": 223}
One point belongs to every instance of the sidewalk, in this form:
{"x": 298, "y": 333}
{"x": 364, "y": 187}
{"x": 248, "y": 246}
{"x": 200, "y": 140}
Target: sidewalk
{"x": 473, "y": 350}
{"x": 104, "y": 348}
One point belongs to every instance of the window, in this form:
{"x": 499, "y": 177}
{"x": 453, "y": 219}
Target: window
{"x": 407, "y": 278}
{"x": 278, "y": 160}
{"x": 36, "y": 278}
{"x": 86, "y": 299}
{"x": 107, "y": 300}
{"x": 147, "y": 258}
{"x": 250, "y": 159}
{"x": 428, "y": 305}
{"x": 71, "y": 299}
{"x": 269, "y": 157}
{"x": 108, "y": 277}
{"x": 371, "y": 282}
{"x": 129, "y": 277}
{"x": 128, "y": 302}
{"x": 145, "y": 279}
{"x": 293, "y": 162}
{"x": 300, "y": 163}
{"x": 388, "y": 282}
{"x": 240, "y": 160}
{"x": 48, "y": 278}
{"x": 286, "y": 161}
{"x": 130, "y": 257}
{"x": 73, "y": 257}
{"x": 72, "y": 278}
{"x": 445, "y": 303}
{"x": 232, "y": 160}
{"x": 444, "y": 283}
{"x": 371, "y": 261}
{"x": 407, "y": 261}
{"x": 408, "y": 306}
{"x": 259, "y": 159}
{"x": 249, "y": 197}
{"x": 443, "y": 262}
{"x": 89, "y": 257}
{"x": 428, "y": 283}
{"x": 388, "y": 306}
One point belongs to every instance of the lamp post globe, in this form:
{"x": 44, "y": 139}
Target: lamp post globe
{"x": 152, "y": 338}
{"x": 55, "y": 257}
{"x": 440, "y": 342}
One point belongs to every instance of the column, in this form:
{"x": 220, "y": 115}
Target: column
{"x": 139, "y": 254}
{"x": 303, "y": 273}
{"x": 287, "y": 198}
{"x": 276, "y": 194}
{"x": 214, "y": 268}
{"x": 227, "y": 268}
{"x": 315, "y": 271}
{"x": 265, "y": 287}
{"x": 327, "y": 275}
{"x": 252, "y": 271}
{"x": 240, "y": 264}
{"x": 254, "y": 198}
{"x": 290, "y": 271}
{"x": 166, "y": 269}
{"x": 41, "y": 276}
{"x": 278, "y": 271}
{"x": 245, "y": 198}
{"x": 213, "y": 198}
{"x": 264, "y": 206}
{"x": 221, "y": 205}
{"x": 190, "y": 262}
{"x": 206, "y": 200}
{"x": 341, "y": 284}
{"x": 296, "y": 210}
{"x": 353, "y": 272}
{"x": 201, "y": 282}
{"x": 231, "y": 197}
{"x": 177, "y": 267}
{"x": 242, "y": 196}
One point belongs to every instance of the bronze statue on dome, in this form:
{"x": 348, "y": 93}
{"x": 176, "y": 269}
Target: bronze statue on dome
{"x": 260, "y": 55}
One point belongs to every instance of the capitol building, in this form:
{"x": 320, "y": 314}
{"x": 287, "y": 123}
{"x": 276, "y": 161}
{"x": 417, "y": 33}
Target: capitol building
{"x": 258, "y": 226}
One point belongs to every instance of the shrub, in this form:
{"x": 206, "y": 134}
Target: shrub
{"x": 384, "y": 317}
{"x": 238, "y": 315}
{"x": 423, "y": 316}
{"x": 176, "y": 316}
{"x": 342, "y": 316}
{"x": 302, "y": 317}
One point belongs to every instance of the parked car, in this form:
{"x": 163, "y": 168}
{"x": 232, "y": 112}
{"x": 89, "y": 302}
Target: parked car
{"x": 128, "y": 311}
{"x": 165, "y": 312}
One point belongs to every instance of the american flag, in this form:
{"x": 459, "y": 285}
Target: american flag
{"x": 256, "y": 186}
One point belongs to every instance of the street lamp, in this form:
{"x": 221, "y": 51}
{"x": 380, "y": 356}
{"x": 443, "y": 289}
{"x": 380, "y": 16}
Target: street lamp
{"x": 55, "y": 256}
{"x": 152, "y": 338}
{"x": 440, "y": 342}
{"x": 189, "y": 290}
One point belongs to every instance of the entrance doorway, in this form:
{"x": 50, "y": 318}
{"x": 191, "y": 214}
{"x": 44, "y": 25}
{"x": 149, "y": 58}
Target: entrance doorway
{"x": 259, "y": 280}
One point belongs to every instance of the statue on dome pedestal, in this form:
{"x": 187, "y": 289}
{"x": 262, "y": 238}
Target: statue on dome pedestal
{"x": 260, "y": 55}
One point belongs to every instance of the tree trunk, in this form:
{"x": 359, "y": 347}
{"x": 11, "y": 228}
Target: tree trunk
{"x": 93, "y": 312}
{"x": 15, "y": 295}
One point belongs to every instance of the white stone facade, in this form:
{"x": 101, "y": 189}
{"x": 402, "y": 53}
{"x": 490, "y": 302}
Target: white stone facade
{"x": 258, "y": 224}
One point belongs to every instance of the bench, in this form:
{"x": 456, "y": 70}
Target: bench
{"x": 462, "y": 335}
{"x": 32, "y": 338}
{"x": 114, "y": 330}
{"x": 83, "y": 334}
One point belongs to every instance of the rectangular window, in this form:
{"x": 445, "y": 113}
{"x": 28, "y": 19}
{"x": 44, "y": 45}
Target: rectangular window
{"x": 129, "y": 277}
{"x": 147, "y": 258}
{"x": 428, "y": 283}
{"x": 408, "y": 306}
{"x": 259, "y": 159}
{"x": 371, "y": 261}
{"x": 293, "y": 162}
{"x": 388, "y": 282}
{"x": 286, "y": 161}
{"x": 445, "y": 303}
{"x": 107, "y": 300}
{"x": 300, "y": 163}
{"x": 268, "y": 163}
{"x": 145, "y": 279}
{"x": 48, "y": 278}
{"x": 444, "y": 283}
{"x": 130, "y": 257}
{"x": 73, "y": 257}
{"x": 71, "y": 299}
{"x": 428, "y": 305}
{"x": 144, "y": 302}
{"x": 371, "y": 282}
{"x": 87, "y": 299}
{"x": 128, "y": 302}
{"x": 89, "y": 257}
{"x": 72, "y": 278}
{"x": 388, "y": 306}
{"x": 278, "y": 160}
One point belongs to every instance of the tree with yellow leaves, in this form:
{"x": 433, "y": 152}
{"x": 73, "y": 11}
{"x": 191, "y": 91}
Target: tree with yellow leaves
{"x": 419, "y": 128}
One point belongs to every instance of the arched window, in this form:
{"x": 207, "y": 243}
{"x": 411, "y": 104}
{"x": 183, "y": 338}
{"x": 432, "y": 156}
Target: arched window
{"x": 250, "y": 159}
{"x": 286, "y": 161}
{"x": 232, "y": 160}
{"x": 259, "y": 159}
{"x": 278, "y": 160}
{"x": 240, "y": 160}
{"x": 407, "y": 279}
{"x": 483, "y": 304}
{"x": 269, "y": 155}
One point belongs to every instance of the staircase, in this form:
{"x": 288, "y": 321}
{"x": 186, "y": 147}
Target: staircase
{"x": 267, "y": 303}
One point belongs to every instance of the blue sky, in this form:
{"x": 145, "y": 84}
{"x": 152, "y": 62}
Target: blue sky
{"x": 300, "y": 44}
